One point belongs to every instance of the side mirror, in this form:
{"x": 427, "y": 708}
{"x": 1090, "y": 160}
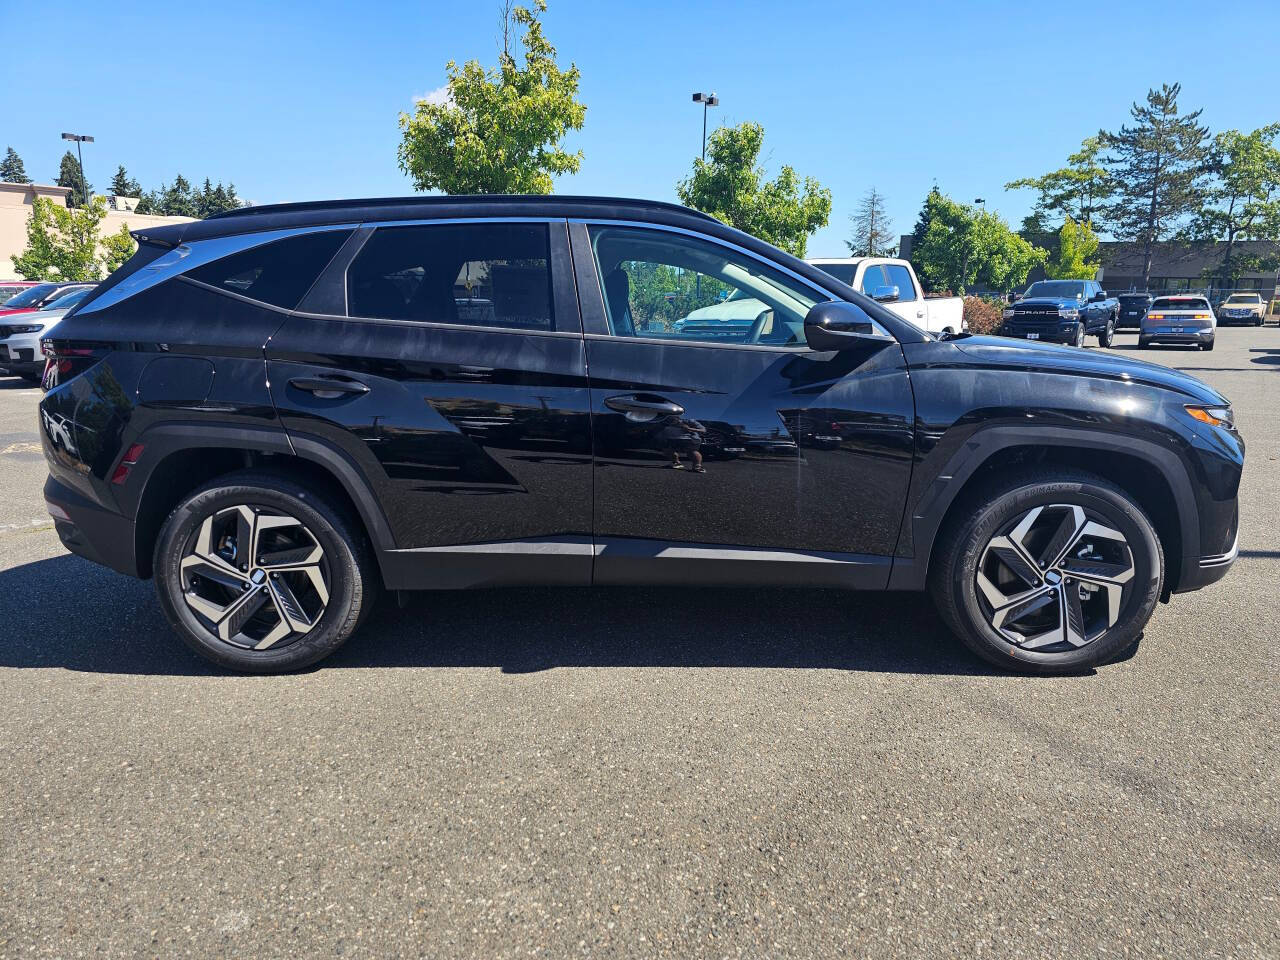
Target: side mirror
{"x": 886, "y": 294}
{"x": 836, "y": 325}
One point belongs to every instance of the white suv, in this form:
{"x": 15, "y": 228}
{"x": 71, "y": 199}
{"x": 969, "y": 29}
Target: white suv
{"x": 20, "y": 335}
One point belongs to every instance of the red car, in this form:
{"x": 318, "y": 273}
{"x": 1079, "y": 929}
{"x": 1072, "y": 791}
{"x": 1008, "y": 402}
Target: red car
{"x": 33, "y": 298}
{"x": 10, "y": 288}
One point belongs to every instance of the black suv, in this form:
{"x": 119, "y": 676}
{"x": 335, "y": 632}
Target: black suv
{"x": 279, "y": 411}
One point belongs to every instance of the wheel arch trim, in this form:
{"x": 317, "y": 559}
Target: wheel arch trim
{"x": 163, "y": 441}
{"x": 931, "y": 510}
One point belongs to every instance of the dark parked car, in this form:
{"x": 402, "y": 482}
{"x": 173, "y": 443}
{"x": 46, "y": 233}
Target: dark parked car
{"x": 1133, "y": 307}
{"x": 1063, "y": 311}
{"x": 294, "y": 406}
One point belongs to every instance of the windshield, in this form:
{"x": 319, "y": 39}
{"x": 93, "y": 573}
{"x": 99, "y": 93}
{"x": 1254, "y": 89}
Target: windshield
{"x": 31, "y": 296}
{"x": 68, "y": 300}
{"x": 1245, "y": 298}
{"x": 841, "y": 271}
{"x": 1056, "y": 288}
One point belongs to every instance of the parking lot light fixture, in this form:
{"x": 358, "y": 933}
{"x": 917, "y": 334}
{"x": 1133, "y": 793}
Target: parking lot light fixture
{"x": 84, "y": 184}
{"x": 707, "y": 100}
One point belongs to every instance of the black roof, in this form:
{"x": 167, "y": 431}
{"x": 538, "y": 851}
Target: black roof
{"x": 278, "y": 216}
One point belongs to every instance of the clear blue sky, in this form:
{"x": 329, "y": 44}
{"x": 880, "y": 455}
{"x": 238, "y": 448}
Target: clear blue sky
{"x": 298, "y": 101}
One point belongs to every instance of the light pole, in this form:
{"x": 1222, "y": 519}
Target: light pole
{"x": 982, "y": 203}
{"x": 707, "y": 100}
{"x": 84, "y": 184}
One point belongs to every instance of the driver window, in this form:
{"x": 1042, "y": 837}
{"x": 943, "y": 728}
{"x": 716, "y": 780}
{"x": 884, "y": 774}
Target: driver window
{"x": 669, "y": 286}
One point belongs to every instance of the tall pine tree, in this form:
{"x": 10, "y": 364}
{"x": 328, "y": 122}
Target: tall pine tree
{"x": 11, "y": 168}
{"x": 122, "y": 185}
{"x": 1157, "y": 169}
{"x": 70, "y": 175}
{"x": 872, "y": 231}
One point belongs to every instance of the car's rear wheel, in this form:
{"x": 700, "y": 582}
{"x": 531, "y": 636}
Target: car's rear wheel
{"x": 1207, "y": 346}
{"x": 257, "y": 573}
{"x": 1051, "y": 570}
{"x": 1143, "y": 343}
{"x": 1108, "y": 334}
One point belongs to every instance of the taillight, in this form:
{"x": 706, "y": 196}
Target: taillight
{"x": 65, "y": 360}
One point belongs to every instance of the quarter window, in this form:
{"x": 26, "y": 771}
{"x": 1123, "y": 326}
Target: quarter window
{"x": 900, "y": 277}
{"x": 278, "y": 273}
{"x": 482, "y": 274}
{"x": 671, "y": 286}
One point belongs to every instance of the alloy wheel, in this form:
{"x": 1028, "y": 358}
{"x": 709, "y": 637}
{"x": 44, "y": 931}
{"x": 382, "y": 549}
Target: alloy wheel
{"x": 1055, "y": 579}
{"x": 255, "y": 578}
{"x": 1079, "y": 335}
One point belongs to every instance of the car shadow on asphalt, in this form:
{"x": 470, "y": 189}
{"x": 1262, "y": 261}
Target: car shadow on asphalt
{"x": 65, "y": 612}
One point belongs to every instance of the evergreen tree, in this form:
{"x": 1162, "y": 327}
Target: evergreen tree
{"x": 70, "y": 175}
{"x": 11, "y": 168}
{"x": 872, "y": 231}
{"x": 179, "y": 200}
{"x": 124, "y": 186}
{"x": 1157, "y": 170}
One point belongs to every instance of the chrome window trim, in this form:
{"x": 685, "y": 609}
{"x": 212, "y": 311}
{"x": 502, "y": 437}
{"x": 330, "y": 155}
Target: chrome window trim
{"x": 188, "y": 256}
{"x": 824, "y": 296}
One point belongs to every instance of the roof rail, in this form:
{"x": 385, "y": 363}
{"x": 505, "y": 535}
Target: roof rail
{"x": 442, "y": 200}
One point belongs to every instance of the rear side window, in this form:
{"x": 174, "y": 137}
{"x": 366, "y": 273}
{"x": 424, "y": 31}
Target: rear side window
{"x": 480, "y": 274}
{"x": 900, "y": 277}
{"x": 278, "y": 273}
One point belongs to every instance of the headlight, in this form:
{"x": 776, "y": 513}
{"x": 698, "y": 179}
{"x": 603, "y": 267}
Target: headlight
{"x": 1069, "y": 313}
{"x": 1214, "y": 416}
{"x": 29, "y": 328}
{"x": 1008, "y": 313}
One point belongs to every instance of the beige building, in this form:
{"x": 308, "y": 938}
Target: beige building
{"x": 15, "y": 209}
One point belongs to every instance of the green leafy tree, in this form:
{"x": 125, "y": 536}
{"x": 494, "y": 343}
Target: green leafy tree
{"x": 1243, "y": 199}
{"x": 71, "y": 176}
{"x": 963, "y": 247}
{"x": 1079, "y": 190}
{"x": 122, "y": 185}
{"x": 499, "y": 130}
{"x": 1157, "y": 168}
{"x": 1076, "y": 258}
{"x": 730, "y": 186}
{"x": 872, "y": 231}
{"x": 11, "y": 168}
{"x": 62, "y": 243}
{"x": 117, "y": 248}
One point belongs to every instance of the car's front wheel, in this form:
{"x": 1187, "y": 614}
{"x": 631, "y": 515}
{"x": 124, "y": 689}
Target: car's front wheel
{"x": 257, "y": 573}
{"x": 1051, "y": 570}
{"x": 1078, "y": 340}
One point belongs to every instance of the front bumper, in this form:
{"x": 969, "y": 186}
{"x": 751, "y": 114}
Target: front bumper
{"x": 1253, "y": 318}
{"x": 1206, "y": 570}
{"x": 1053, "y": 332}
{"x": 22, "y": 353}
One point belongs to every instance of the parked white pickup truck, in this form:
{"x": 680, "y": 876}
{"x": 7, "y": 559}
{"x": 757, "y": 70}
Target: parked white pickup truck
{"x": 893, "y": 283}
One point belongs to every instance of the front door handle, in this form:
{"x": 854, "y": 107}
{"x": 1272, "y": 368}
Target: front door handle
{"x": 642, "y": 408}
{"x": 329, "y": 388}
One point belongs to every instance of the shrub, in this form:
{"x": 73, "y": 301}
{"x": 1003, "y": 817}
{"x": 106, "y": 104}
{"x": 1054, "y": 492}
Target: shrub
{"x": 983, "y": 316}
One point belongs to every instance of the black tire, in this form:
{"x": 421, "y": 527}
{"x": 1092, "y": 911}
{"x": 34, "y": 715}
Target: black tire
{"x": 1108, "y": 335}
{"x": 1207, "y": 346}
{"x": 1143, "y": 344}
{"x": 1078, "y": 341}
{"x": 351, "y": 582}
{"x": 978, "y": 518}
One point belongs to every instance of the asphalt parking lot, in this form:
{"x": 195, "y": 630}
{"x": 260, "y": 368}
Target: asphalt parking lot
{"x": 636, "y": 773}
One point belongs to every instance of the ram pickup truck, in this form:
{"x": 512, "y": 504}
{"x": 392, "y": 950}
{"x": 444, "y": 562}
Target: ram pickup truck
{"x": 1063, "y": 311}
{"x": 894, "y": 283}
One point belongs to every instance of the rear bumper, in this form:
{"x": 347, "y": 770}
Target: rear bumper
{"x": 91, "y": 531}
{"x": 1193, "y": 337}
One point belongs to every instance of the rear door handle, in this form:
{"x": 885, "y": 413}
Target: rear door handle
{"x": 329, "y": 388}
{"x": 641, "y": 409}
